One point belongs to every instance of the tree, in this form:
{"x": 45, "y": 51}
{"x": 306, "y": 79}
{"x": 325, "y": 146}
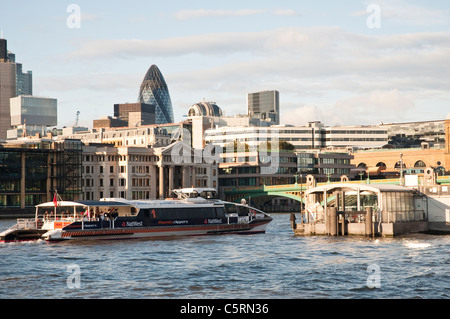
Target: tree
{"x": 286, "y": 146}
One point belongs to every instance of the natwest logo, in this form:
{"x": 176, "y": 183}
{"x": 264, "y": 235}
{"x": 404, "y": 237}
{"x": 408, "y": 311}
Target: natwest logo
{"x": 132, "y": 224}
{"x": 213, "y": 221}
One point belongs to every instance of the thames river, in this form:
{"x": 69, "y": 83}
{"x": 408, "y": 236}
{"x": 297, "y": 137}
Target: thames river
{"x": 272, "y": 265}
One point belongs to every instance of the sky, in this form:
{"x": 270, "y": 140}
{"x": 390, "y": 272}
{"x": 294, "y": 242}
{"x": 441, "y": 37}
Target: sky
{"x": 340, "y": 62}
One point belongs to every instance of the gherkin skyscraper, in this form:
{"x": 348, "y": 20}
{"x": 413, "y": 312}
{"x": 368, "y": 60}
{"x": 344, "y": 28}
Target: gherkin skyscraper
{"x": 154, "y": 91}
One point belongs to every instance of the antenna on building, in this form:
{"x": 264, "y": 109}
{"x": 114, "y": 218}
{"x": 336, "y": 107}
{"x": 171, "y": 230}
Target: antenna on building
{"x": 77, "y": 118}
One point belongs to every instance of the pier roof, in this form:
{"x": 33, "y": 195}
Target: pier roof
{"x": 375, "y": 188}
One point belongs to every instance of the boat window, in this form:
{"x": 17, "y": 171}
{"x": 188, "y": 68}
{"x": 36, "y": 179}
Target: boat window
{"x": 220, "y": 212}
{"x": 208, "y": 194}
{"x": 242, "y": 210}
{"x": 230, "y": 208}
{"x": 184, "y": 213}
{"x": 145, "y": 213}
{"x": 194, "y": 194}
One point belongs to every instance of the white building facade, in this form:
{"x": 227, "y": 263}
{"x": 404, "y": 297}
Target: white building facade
{"x": 313, "y": 136}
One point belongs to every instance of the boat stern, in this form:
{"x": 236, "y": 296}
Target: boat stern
{"x": 53, "y": 235}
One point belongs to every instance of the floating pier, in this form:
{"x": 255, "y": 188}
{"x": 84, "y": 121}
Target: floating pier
{"x": 363, "y": 210}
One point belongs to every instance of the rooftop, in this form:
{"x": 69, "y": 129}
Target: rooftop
{"x": 378, "y": 188}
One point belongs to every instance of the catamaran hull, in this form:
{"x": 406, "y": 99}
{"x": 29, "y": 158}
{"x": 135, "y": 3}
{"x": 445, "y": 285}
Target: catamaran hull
{"x": 21, "y": 235}
{"x": 155, "y": 232}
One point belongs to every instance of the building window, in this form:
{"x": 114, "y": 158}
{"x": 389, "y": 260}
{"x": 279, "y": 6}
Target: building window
{"x": 111, "y": 182}
{"x": 420, "y": 164}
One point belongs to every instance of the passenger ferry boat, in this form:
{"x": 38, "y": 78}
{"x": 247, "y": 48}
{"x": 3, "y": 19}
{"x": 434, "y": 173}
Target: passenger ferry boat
{"x": 194, "y": 212}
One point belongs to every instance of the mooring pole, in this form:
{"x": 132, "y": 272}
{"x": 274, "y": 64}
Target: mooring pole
{"x": 333, "y": 221}
{"x": 368, "y": 221}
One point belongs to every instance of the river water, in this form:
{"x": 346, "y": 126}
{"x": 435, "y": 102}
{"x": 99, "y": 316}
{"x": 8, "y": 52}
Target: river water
{"x": 271, "y": 265}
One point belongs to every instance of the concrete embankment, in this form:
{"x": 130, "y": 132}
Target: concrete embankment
{"x": 11, "y": 213}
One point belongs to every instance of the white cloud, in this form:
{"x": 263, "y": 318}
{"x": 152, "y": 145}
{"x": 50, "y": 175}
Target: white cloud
{"x": 286, "y": 12}
{"x": 322, "y": 73}
{"x": 390, "y": 105}
{"x": 301, "y": 115}
{"x": 204, "y": 13}
{"x": 406, "y": 13}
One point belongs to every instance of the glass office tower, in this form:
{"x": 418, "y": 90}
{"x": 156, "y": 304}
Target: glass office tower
{"x": 154, "y": 90}
{"x": 264, "y": 105}
{"x": 13, "y": 82}
{"x": 34, "y": 112}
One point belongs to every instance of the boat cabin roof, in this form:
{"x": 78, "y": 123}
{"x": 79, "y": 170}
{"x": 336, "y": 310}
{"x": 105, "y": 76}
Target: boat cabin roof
{"x": 90, "y": 203}
{"x": 192, "y": 189}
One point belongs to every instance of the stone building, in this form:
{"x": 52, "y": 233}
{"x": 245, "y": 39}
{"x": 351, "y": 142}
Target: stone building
{"x": 418, "y": 158}
{"x": 142, "y": 173}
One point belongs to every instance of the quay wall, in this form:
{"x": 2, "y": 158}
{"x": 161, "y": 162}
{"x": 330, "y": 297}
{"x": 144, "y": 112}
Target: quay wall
{"x": 12, "y": 213}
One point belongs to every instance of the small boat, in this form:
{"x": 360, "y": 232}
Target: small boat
{"x": 195, "y": 212}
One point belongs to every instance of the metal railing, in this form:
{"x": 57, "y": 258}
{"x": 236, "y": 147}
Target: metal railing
{"x": 24, "y": 223}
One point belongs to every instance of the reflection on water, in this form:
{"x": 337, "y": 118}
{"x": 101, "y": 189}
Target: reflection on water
{"x": 272, "y": 265}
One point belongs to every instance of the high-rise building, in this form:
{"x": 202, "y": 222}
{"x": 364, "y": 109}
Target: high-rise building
{"x": 13, "y": 82}
{"x": 3, "y": 50}
{"x": 135, "y": 114}
{"x": 7, "y": 91}
{"x": 154, "y": 91}
{"x": 24, "y": 81}
{"x": 264, "y": 105}
{"x": 31, "y": 115}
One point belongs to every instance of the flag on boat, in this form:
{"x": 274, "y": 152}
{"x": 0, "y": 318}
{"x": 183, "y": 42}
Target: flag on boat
{"x": 55, "y": 200}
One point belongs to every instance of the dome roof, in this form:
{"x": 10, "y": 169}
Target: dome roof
{"x": 205, "y": 109}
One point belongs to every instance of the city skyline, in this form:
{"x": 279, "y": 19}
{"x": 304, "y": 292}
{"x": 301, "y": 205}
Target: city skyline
{"x": 337, "y": 63}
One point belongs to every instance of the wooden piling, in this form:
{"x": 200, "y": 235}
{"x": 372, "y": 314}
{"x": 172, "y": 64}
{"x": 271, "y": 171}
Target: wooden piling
{"x": 369, "y": 221}
{"x": 333, "y": 221}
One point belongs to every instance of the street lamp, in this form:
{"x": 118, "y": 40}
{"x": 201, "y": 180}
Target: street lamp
{"x": 301, "y": 197}
{"x": 401, "y": 168}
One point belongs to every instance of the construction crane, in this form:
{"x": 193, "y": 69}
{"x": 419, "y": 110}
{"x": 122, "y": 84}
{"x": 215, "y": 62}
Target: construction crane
{"x": 76, "y": 120}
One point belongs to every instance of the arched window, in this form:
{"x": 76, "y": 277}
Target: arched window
{"x": 399, "y": 164}
{"x": 382, "y": 165}
{"x": 362, "y": 165}
{"x": 420, "y": 164}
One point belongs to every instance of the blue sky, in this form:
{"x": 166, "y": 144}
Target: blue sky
{"x": 322, "y": 56}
